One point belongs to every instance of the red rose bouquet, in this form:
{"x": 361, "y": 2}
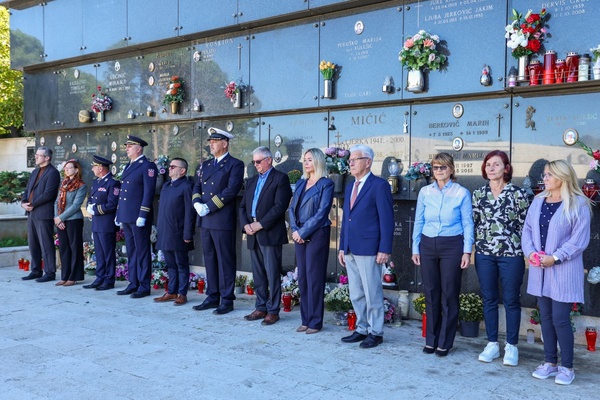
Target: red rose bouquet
{"x": 525, "y": 34}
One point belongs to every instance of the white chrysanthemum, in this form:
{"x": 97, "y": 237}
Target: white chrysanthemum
{"x": 594, "y": 275}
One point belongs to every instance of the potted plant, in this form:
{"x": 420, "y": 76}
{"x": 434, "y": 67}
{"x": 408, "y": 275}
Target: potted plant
{"x": 100, "y": 103}
{"x": 90, "y": 268}
{"x": 470, "y": 314}
{"x": 420, "y": 52}
{"x": 250, "y": 287}
{"x": 419, "y": 307}
{"x": 240, "y": 282}
{"x": 159, "y": 278}
{"x": 294, "y": 176}
{"x": 338, "y": 301}
{"x": 174, "y": 94}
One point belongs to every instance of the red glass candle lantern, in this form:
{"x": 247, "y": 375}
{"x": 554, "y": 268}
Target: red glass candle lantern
{"x": 21, "y": 263}
{"x": 249, "y": 290}
{"x": 590, "y": 189}
{"x": 572, "y": 66}
{"x": 26, "y": 265}
{"x": 201, "y": 285}
{"x": 535, "y": 72}
{"x": 351, "y": 320}
{"x": 539, "y": 188}
{"x": 590, "y": 336}
{"x": 549, "y": 66}
{"x": 560, "y": 71}
{"x": 424, "y": 325}
{"x": 287, "y": 301}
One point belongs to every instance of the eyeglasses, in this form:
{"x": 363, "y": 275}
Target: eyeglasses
{"x": 546, "y": 175}
{"x": 439, "y": 167}
{"x": 41, "y": 155}
{"x": 353, "y": 160}
{"x": 256, "y": 162}
{"x": 174, "y": 166}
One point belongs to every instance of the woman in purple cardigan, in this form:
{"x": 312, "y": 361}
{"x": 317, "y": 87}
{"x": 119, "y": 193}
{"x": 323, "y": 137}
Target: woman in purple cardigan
{"x": 556, "y": 232}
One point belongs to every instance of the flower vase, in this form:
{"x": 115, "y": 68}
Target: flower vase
{"x": 100, "y": 116}
{"x": 327, "y": 88}
{"x": 590, "y": 337}
{"x": 338, "y": 182}
{"x": 174, "y": 107}
{"x": 239, "y": 289}
{"x": 424, "y": 325}
{"x": 415, "y": 81}
{"x": 340, "y": 318}
{"x": 523, "y": 75}
{"x": 403, "y": 303}
{"x": 237, "y": 100}
{"x": 469, "y": 328}
{"x": 286, "y": 298}
{"x": 201, "y": 286}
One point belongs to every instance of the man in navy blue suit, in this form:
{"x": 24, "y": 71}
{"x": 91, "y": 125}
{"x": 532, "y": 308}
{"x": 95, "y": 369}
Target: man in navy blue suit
{"x": 134, "y": 213}
{"x": 219, "y": 182}
{"x": 366, "y": 243}
{"x": 38, "y": 202}
{"x": 102, "y": 206}
{"x": 175, "y": 226}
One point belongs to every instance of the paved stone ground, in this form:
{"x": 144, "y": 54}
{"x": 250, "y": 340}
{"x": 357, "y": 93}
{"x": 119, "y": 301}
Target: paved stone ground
{"x": 72, "y": 343}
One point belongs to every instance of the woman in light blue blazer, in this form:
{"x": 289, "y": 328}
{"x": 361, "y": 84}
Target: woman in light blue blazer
{"x": 309, "y": 220}
{"x": 69, "y": 224}
{"x": 555, "y": 234}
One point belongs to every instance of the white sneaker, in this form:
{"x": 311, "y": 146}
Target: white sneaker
{"x": 511, "y": 355}
{"x": 545, "y": 371}
{"x": 491, "y": 351}
{"x": 565, "y": 376}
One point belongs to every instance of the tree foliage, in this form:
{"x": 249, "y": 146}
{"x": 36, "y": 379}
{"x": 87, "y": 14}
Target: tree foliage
{"x": 11, "y": 84}
{"x": 12, "y": 185}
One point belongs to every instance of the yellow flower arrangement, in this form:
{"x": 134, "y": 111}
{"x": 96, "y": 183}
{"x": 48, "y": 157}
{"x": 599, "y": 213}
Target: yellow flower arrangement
{"x": 327, "y": 69}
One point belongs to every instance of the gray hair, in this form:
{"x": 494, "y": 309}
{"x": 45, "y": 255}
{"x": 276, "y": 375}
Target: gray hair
{"x": 47, "y": 151}
{"x": 365, "y": 150}
{"x": 263, "y": 151}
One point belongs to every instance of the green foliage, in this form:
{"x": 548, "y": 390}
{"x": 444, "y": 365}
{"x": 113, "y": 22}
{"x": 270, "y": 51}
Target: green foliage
{"x": 11, "y": 83}
{"x": 240, "y": 280}
{"x": 338, "y": 300}
{"x": 13, "y": 242}
{"x": 471, "y": 307}
{"x": 12, "y": 185}
{"x": 294, "y": 176}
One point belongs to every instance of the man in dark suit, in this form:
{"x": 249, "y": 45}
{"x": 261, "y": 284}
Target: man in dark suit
{"x": 262, "y": 217}
{"x": 134, "y": 213}
{"x": 102, "y": 206}
{"x": 366, "y": 243}
{"x": 219, "y": 182}
{"x": 175, "y": 226}
{"x": 38, "y": 202}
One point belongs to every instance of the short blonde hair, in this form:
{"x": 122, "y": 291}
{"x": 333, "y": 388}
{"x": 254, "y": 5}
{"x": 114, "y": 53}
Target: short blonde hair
{"x": 319, "y": 163}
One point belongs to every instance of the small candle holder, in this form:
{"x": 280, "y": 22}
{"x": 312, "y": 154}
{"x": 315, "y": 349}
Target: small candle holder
{"x": 287, "y": 302}
{"x": 539, "y": 188}
{"x": 201, "y": 286}
{"x": 590, "y": 336}
{"x": 530, "y": 336}
{"x": 351, "y": 320}
{"x": 590, "y": 189}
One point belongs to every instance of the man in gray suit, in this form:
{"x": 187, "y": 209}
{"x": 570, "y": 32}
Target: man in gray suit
{"x": 38, "y": 203}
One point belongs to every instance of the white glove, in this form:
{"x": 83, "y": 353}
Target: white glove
{"x": 198, "y": 208}
{"x": 90, "y": 209}
{"x": 118, "y": 223}
{"x": 140, "y": 222}
{"x": 204, "y": 211}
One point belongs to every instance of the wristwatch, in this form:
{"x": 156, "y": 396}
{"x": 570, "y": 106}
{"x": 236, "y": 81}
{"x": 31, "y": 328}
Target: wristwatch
{"x": 556, "y": 260}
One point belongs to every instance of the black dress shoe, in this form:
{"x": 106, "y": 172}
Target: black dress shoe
{"x": 105, "y": 287}
{"x": 139, "y": 295}
{"x": 371, "y": 341}
{"x": 355, "y": 337}
{"x": 442, "y": 353}
{"x": 93, "y": 285}
{"x": 46, "y": 278}
{"x": 205, "y": 306}
{"x": 32, "y": 275}
{"x": 428, "y": 350}
{"x": 125, "y": 292}
{"x": 223, "y": 309}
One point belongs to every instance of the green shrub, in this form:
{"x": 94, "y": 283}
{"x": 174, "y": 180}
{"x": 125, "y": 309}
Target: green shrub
{"x": 13, "y": 242}
{"x": 12, "y": 185}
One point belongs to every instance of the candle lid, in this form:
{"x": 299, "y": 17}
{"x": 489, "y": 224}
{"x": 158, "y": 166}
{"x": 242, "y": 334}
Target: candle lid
{"x": 550, "y": 52}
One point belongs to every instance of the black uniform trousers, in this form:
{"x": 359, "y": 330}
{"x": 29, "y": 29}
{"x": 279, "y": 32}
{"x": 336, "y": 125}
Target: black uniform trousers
{"x": 139, "y": 264}
{"x": 105, "y": 247}
{"x": 220, "y": 264}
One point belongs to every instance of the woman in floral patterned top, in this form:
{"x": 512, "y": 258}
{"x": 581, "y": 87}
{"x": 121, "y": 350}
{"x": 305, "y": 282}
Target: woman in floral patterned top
{"x": 499, "y": 210}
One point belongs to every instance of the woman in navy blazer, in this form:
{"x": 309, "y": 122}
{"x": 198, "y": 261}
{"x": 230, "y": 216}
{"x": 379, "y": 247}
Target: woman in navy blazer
{"x": 309, "y": 220}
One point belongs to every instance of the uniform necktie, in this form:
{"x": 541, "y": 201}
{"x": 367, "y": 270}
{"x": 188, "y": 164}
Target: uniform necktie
{"x": 354, "y": 194}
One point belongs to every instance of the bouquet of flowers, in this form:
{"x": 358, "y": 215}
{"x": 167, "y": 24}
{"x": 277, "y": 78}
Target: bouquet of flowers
{"x": 388, "y": 311}
{"x": 231, "y": 91}
{"x": 419, "y": 304}
{"x": 120, "y": 236}
{"x": 56, "y": 241}
{"x": 420, "y": 51}
{"x": 122, "y": 271}
{"x": 153, "y": 234}
{"x": 88, "y": 250}
{"x": 418, "y": 170}
{"x": 470, "y": 307}
{"x": 534, "y": 316}
{"x": 576, "y": 309}
{"x": 158, "y": 260}
{"x": 593, "y": 276}
{"x": 162, "y": 162}
{"x": 327, "y": 69}
{"x": 100, "y": 101}
{"x": 336, "y": 159}
{"x": 174, "y": 91}
{"x": 595, "y": 163}
{"x": 194, "y": 280}
{"x": 289, "y": 284}
{"x": 525, "y": 34}
{"x": 338, "y": 299}
{"x": 159, "y": 278}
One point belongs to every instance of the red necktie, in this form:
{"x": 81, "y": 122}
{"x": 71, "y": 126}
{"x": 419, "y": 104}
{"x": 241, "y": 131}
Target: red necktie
{"x": 354, "y": 194}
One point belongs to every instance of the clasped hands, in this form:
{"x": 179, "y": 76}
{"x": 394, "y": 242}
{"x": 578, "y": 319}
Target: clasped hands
{"x": 541, "y": 259}
{"x": 59, "y": 223}
{"x": 201, "y": 209}
{"x": 252, "y": 228}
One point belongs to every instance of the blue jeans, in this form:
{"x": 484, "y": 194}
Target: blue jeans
{"x": 556, "y": 326}
{"x": 508, "y": 271}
